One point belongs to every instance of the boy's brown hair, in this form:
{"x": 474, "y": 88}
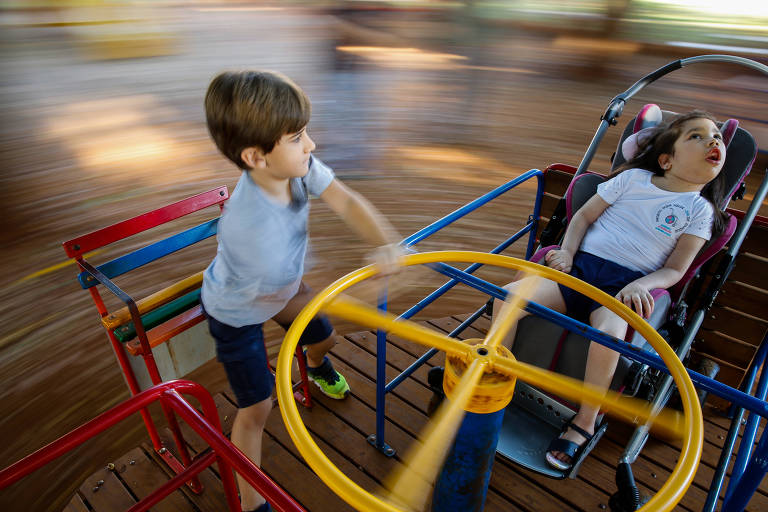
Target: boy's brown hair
{"x": 253, "y": 108}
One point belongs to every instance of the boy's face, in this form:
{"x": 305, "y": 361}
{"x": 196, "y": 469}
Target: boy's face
{"x": 290, "y": 156}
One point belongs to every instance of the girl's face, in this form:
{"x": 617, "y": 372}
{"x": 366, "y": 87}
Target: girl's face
{"x": 698, "y": 154}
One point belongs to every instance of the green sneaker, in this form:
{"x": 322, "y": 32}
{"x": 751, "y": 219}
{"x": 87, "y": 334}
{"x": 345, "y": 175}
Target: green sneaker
{"x": 330, "y": 382}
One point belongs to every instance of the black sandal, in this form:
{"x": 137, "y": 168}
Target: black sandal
{"x": 577, "y": 452}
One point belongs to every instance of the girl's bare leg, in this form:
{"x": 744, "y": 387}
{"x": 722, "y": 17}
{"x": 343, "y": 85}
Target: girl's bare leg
{"x": 547, "y": 294}
{"x": 601, "y": 365}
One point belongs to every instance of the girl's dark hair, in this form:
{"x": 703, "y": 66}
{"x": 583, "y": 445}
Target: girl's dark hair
{"x": 661, "y": 140}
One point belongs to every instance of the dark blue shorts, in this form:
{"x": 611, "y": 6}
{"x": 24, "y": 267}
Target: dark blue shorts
{"x": 606, "y": 275}
{"x": 242, "y": 353}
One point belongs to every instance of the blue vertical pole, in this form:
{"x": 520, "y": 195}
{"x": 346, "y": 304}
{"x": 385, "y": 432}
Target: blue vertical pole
{"x": 463, "y": 483}
{"x": 377, "y": 439}
{"x": 750, "y": 480}
{"x": 750, "y": 431}
{"x": 733, "y": 432}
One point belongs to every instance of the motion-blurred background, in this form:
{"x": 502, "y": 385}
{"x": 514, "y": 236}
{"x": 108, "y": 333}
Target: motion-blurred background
{"x": 419, "y": 105}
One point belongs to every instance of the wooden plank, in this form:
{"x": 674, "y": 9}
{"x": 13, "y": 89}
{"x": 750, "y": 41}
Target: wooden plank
{"x": 752, "y": 269}
{"x": 548, "y": 204}
{"x": 556, "y": 182}
{"x": 756, "y": 241}
{"x": 397, "y": 411}
{"x": 142, "y": 476}
{"x": 725, "y": 348}
{"x": 651, "y": 474}
{"x": 105, "y": 492}
{"x": 75, "y": 505}
{"x": 397, "y": 358}
{"x": 297, "y": 479}
{"x": 729, "y": 374}
{"x": 744, "y": 298}
{"x": 212, "y": 497}
{"x": 276, "y": 429}
{"x": 345, "y": 425}
{"x": 494, "y": 501}
{"x": 735, "y": 324}
{"x": 410, "y": 390}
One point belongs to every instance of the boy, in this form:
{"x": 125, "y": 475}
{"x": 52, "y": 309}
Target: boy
{"x": 259, "y": 121}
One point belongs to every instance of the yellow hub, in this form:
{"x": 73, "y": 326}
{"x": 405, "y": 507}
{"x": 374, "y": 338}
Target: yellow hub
{"x": 495, "y": 389}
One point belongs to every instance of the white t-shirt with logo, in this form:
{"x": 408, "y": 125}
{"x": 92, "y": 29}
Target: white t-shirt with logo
{"x": 259, "y": 262}
{"x": 640, "y": 228}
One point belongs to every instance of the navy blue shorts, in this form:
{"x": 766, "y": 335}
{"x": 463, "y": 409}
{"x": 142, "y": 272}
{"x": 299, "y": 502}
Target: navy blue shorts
{"x": 606, "y": 275}
{"x": 242, "y": 353}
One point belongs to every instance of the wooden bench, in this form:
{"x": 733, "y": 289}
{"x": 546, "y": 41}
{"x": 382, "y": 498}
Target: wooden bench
{"x": 161, "y": 336}
{"x": 155, "y": 338}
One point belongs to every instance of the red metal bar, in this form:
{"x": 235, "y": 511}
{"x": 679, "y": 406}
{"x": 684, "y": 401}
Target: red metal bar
{"x": 104, "y": 236}
{"x": 277, "y": 497}
{"x": 174, "y": 483}
{"x": 306, "y": 399}
{"x": 739, "y": 214}
{"x": 125, "y": 365}
{"x": 207, "y": 426}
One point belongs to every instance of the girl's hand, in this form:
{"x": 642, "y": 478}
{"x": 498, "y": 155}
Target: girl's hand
{"x": 638, "y": 297}
{"x": 559, "y": 259}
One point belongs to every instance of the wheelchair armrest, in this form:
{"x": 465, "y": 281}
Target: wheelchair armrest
{"x": 539, "y": 255}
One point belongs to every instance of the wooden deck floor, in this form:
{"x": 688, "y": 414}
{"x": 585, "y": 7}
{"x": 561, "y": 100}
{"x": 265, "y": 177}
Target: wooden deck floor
{"x": 341, "y": 428}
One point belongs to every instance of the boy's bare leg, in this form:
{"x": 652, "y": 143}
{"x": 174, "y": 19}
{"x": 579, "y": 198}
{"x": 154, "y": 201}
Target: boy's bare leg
{"x": 247, "y": 431}
{"x": 601, "y": 365}
{"x": 547, "y": 294}
{"x": 317, "y": 351}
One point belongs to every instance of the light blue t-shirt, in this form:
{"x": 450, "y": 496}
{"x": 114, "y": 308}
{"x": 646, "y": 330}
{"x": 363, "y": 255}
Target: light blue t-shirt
{"x": 262, "y": 245}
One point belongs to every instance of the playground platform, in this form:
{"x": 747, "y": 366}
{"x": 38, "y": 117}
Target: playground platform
{"x": 341, "y": 427}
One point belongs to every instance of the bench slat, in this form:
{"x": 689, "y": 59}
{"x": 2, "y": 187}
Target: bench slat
{"x": 151, "y": 252}
{"x": 168, "y": 330}
{"x": 157, "y": 316}
{"x": 150, "y": 302}
{"x": 104, "y": 236}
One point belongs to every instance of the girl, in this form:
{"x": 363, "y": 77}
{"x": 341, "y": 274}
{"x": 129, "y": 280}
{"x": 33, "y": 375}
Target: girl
{"x": 640, "y": 231}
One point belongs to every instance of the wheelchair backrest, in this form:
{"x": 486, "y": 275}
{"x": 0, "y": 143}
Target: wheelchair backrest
{"x": 740, "y": 155}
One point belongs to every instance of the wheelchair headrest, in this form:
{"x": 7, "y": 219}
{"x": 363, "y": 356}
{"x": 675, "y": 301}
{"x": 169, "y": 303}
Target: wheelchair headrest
{"x": 741, "y": 146}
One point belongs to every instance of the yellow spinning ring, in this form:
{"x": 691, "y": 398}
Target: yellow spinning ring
{"x": 691, "y": 430}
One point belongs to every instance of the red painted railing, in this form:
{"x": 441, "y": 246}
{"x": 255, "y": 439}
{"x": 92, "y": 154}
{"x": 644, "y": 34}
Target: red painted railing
{"x": 207, "y": 427}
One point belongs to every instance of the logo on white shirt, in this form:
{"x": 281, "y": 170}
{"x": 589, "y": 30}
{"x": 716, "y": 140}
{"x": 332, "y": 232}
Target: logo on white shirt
{"x": 672, "y": 218}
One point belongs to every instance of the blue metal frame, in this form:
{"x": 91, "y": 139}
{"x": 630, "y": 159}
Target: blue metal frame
{"x": 746, "y": 477}
{"x": 382, "y": 388}
{"x": 749, "y": 474}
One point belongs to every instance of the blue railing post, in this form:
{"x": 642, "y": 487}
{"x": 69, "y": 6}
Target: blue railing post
{"x": 733, "y": 432}
{"x": 377, "y": 439}
{"x": 750, "y": 431}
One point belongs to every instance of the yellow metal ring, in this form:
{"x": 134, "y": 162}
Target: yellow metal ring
{"x": 665, "y": 499}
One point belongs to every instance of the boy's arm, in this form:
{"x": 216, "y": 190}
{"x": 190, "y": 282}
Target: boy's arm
{"x": 359, "y": 214}
{"x": 637, "y": 293}
{"x": 574, "y": 233}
